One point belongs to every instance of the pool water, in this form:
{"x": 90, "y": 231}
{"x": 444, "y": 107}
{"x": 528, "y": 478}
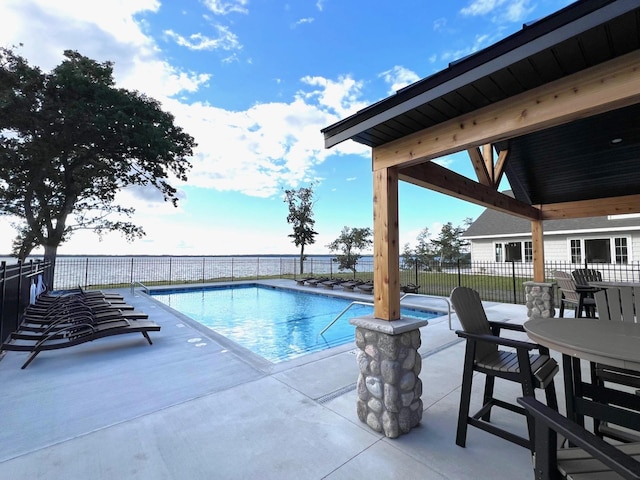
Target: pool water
{"x": 277, "y": 324}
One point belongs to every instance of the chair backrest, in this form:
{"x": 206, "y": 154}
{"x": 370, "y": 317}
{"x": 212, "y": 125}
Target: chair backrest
{"x": 468, "y": 306}
{"x": 583, "y": 276}
{"x": 618, "y": 304}
{"x": 567, "y": 285}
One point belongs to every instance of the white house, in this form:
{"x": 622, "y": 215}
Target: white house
{"x": 499, "y": 237}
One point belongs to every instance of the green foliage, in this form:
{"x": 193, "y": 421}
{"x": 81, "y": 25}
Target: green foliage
{"x": 449, "y": 246}
{"x": 350, "y": 243}
{"x": 70, "y": 140}
{"x": 300, "y": 215}
{"x": 422, "y": 255}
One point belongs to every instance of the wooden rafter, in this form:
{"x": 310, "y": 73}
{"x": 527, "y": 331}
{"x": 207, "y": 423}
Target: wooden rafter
{"x": 488, "y": 174}
{"x": 435, "y": 177}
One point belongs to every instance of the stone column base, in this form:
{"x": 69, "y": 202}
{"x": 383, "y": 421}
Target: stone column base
{"x": 540, "y": 301}
{"x": 389, "y": 388}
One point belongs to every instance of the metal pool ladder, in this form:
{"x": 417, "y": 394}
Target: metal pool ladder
{"x": 133, "y": 285}
{"x": 371, "y": 305}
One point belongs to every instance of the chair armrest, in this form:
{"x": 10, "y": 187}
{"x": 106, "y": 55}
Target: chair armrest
{"x": 548, "y": 419}
{"x": 505, "y": 342}
{"x": 507, "y": 326}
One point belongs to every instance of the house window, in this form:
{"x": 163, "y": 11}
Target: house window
{"x": 576, "y": 251}
{"x": 600, "y": 250}
{"x": 528, "y": 251}
{"x": 513, "y": 252}
{"x": 622, "y": 255}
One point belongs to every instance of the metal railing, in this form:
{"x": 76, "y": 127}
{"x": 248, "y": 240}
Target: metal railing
{"x": 495, "y": 281}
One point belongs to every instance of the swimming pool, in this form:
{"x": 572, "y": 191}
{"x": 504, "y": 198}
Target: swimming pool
{"x": 277, "y": 324}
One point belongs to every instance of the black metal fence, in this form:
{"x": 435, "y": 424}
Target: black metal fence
{"x": 15, "y": 287}
{"x": 500, "y": 282}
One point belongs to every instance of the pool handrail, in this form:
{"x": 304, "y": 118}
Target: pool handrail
{"x": 371, "y": 304}
{"x": 133, "y": 284}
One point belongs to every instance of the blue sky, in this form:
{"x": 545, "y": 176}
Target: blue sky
{"x": 254, "y": 81}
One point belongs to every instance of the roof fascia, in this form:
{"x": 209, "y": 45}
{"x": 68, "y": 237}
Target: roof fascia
{"x": 543, "y": 42}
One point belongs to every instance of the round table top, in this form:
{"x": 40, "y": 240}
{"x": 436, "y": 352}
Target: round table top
{"x": 611, "y": 343}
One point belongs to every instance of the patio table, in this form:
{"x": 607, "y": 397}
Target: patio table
{"x": 616, "y": 344}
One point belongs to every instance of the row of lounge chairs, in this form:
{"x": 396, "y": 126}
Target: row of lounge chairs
{"x": 330, "y": 283}
{"x": 349, "y": 285}
{"x": 60, "y": 321}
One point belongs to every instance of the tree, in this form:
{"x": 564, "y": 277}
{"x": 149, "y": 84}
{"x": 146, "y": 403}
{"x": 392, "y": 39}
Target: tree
{"x": 449, "y": 246}
{"x": 422, "y": 254}
{"x": 301, "y": 217}
{"x": 350, "y": 242}
{"x": 69, "y": 140}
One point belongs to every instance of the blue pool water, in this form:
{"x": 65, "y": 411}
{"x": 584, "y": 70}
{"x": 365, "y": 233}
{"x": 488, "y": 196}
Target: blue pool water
{"x": 277, "y": 324}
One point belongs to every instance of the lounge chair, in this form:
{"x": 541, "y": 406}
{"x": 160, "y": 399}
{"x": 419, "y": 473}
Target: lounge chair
{"x": 315, "y": 281}
{"x": 516, "y": 363}
{"x": 331, "y": 283}
{"x": 350, "y": 285}
{"x": 301, "y": 281}
{"x": 366, "y": 287}
{"x": 77, "y": 334}
{"x": 410, "y": 288}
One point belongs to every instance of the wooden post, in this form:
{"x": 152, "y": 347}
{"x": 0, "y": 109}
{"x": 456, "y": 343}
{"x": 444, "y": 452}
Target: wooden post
{"x": 386, "y": 249}
{"x": 537, "y": 236}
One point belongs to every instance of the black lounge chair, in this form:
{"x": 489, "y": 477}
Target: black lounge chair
{"x": 301, "y": 281}
{"x": 366, "y": 287}
{"x": 332, "y": 283}
{"x": 78, "y": 334}
{"x": 351, "y": 284}
{"x": 410, "y": 288}
{"x": 315, "y": 281}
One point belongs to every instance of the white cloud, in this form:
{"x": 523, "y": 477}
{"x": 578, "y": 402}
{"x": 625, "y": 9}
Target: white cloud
{"x": 226, "y": 40}
{"x": 220, "y": 7}
{"x": 399, "y": 77}
{"x": 303, "y": 21}
{"x": 501, "y": 10}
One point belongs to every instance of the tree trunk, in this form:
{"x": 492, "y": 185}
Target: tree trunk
{"x": 50, "y": 253}
{"x": 302, "y": 259}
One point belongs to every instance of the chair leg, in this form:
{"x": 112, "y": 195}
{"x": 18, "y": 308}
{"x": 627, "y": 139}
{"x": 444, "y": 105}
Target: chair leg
{"x": 550, "y": 394}
{"x": 465, "y": 395}
{"x": 488, "y": 396}
{"x": 561, "y": 308}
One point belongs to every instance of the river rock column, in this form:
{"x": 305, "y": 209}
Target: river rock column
{"x": 389, "y": 387}
{"x": 540, "y": 300}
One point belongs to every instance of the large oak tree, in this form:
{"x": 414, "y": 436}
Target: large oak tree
{"x": 69, "y": 140}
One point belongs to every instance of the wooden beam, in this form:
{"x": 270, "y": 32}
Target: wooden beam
{"x": 591, "y": 208}
{"x": 386, "y": 247}
{"x": 487, "y": 153}
{"x": 435, "y": 177}
{"x": 503, "y": 156}
{"x": 479, "y": 166}
{"x": 537, "y": 236}
{"x": 602, "y": 88}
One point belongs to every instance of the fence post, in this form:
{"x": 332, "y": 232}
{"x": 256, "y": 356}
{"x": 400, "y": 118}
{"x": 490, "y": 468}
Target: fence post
{"x": 203, "y": 260}
{"x": 86, "y": 272}
{"x": 416, "y": 264}
{"x": 513, "y": 278}
{"x": 170, "y": 264}
{"x": 132, "y": 271}
{"x": 459, "y": 274}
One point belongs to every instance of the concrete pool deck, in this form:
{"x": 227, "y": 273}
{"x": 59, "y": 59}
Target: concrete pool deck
{"x": 194, "y": 405}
